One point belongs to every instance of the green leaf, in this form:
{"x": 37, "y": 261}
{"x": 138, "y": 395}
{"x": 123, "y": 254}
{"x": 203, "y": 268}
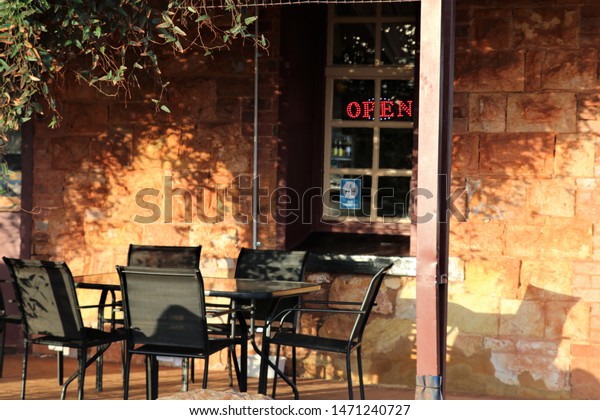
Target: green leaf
{"x": 250, "y": 20}
{"x": 165, "y": 109}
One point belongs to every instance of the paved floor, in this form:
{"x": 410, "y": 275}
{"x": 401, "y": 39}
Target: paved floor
{"x": 42, "y": 383}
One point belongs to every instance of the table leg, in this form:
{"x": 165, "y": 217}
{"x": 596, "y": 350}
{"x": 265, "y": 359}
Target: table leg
{"x": 100, "y": 360}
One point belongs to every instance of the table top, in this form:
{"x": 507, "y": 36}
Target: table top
{"x": 215, "y": 286}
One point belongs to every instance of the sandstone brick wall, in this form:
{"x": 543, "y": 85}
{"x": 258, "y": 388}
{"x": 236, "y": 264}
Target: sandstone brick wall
{"x": 523, "y": 319}
{"x": 116, "y": 173}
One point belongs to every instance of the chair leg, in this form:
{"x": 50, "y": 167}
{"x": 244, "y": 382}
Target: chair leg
{"x": 81, "y": 355}
{"x": 151, "y": 377}
{"x": 349, "y": 375}
{"x": 24, "y": 371}
{"x": 126, "y": 369}
{"x": 230, "y": 355}
{"x": 360, "y": 373}
{"x": 205, "y": 376}
{"x": 274, "y": 391}
{"x": 192, "y": 371}
{"x": 294, "y": 372}
{"x": 60, "y": 367}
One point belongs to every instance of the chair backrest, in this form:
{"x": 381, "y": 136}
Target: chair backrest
{"x": 164, "y": 306}
{"x": 164, "y": 256}
{"x": 267, "y": 264}
{"x": 368, "y": 303}
{"x": 46, "y": 295}
{"x": 262, "y": 264}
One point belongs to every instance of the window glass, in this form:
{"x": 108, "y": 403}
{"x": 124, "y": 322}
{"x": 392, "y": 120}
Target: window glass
{"x": 396, "y": 148}
{"x": 351, "y": 147}
{"x": 400, "y": 9}
{"x": 398, "y": 43}
{"x": 353, "y": 99}
{"x": 355, "y": 9}
{"x": 354, "y": 44}
{"x": 393, "y": 196}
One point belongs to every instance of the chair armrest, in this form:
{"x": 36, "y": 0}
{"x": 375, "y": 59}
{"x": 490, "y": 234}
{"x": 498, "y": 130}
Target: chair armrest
{"x": 283, "y": 314}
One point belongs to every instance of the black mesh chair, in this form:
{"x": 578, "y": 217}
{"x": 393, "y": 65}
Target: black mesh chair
{"x": 261, "y": 264}
{"x": 48, "y": 303}
{"x": 361, "y": 310}
{"x": 164, "y": 256}
{"x": 165, "y": 315}
{"x": 5, "y": 319}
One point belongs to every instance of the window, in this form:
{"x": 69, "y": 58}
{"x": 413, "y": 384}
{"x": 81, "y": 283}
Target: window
{"x": 10, "y": 185}
{"x": 370, "y": 109}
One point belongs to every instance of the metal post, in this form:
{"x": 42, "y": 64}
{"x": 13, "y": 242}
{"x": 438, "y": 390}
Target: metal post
{"x": 434, "y": 129}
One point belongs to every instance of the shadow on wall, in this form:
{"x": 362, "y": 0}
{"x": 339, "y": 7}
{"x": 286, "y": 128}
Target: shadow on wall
{"x": 519, "y": 349}
{"x": 510, "y": 348}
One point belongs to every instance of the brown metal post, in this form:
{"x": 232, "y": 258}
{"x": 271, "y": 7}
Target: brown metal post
{"x": 434, "y": 131}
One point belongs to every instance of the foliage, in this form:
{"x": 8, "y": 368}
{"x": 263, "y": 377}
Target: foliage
{"x": 108, "y": 44}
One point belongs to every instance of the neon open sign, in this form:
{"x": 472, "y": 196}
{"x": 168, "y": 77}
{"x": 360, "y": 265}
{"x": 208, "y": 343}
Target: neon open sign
{"x": 388, "y": 109}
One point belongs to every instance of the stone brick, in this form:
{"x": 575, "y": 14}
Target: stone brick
{"x": 476, "y": 238}
{"x": 585, "y": 371}
{"x": 154, "y": 146}
{"x": 166, "y": 234}
{"x": 493, "y": 277}
{"x": 587, "y": 204}
{"x": 86, "y": 117}
{"x": 490, "y": 27}
{"x": 567, "y": 319}
{"x": 70, "y": 153}
{"x": 517, "y": 154}
{"x": 474, "y": 314}
{"x": 575, "y": 155}
{"x": 465, "y": 154}
{"x": 487, "y": 112}
{"x": 545, "y": 27}
{"x": 497, "y": 198}
{"x": 553, "y": 197}
{"x": 545, "y": 112}
{"x": 570, "y": 70}
{"x": 588, "y": 106}
{"x": 566, "y": 238}
{"x": 533, "y": 70}
{"x": 522, "y": 318}
{"x": 548, "y": 280}
{"x": 352, "y": 288}
{"x": 491, "y": 71}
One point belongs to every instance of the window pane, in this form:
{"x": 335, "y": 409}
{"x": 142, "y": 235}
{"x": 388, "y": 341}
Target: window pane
{"x": 399, "y": 43}
{"x": 354, "y": 44}
{"x": 351, "y": 147}
{"x": 396, "y": 148}
{"x": 393, "y": 196}
{"x": 355, "y": 10}
{"x": 353, "y": 99}
{"x": 348, "y": 201}
{"x": 397, "y": 100}
{"x": 400, "y": 9}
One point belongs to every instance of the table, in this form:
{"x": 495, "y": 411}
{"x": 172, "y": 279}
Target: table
{"x": 232, "y": 288}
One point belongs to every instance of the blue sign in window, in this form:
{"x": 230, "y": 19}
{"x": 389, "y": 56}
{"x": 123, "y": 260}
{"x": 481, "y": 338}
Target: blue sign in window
{"x": 350, "y": 194}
